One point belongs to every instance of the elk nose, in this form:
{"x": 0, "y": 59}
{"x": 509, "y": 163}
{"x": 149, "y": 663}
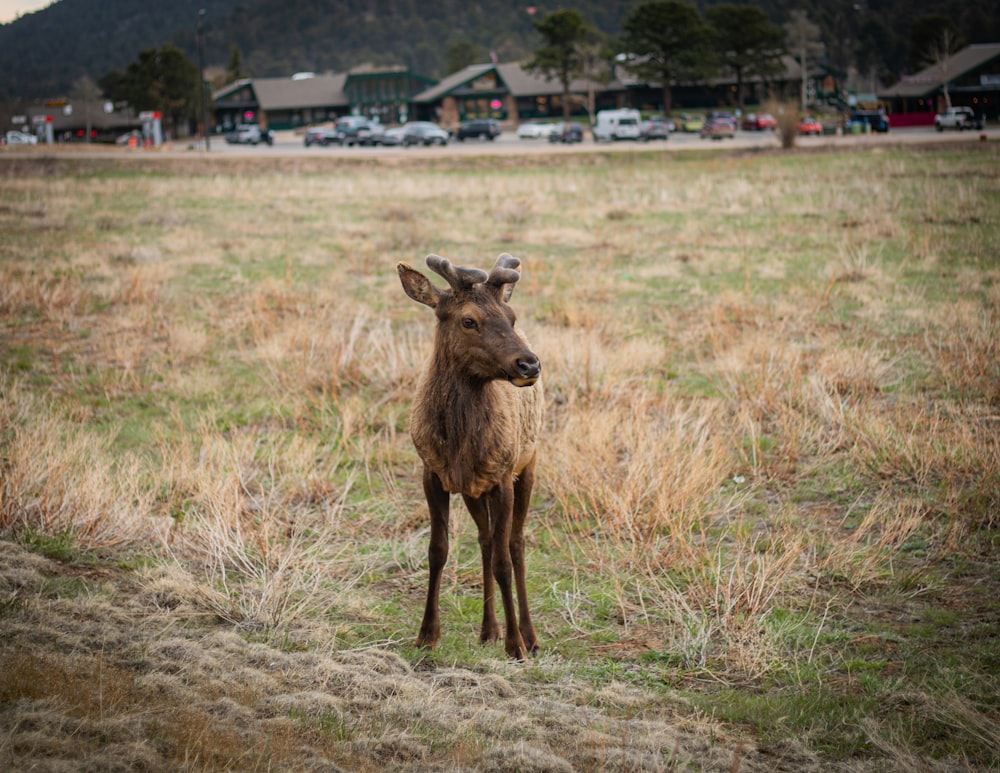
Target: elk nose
{"x": 528, "y": 367}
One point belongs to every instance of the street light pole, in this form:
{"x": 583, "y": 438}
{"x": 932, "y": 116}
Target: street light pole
{"x": 201, "y": 70}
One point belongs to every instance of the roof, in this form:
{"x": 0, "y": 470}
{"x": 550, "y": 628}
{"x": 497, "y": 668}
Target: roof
{"x": 453, "y": 81}
{"x": 930, "y": 79}
{"x": 519, "y": 82}
{"x": 522, "y": 83}
{"x": 291, "y": 93}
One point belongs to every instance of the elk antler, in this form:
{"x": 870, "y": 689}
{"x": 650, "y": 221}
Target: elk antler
{"x": 505, "y": 270}
{"x": 504, "y": 275}
{"x": 459, "y": 277}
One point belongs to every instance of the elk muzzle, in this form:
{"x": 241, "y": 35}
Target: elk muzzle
{"x": 527, "y": 369}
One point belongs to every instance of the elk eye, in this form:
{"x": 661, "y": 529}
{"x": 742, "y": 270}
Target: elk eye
{"x": 469, "y": 323}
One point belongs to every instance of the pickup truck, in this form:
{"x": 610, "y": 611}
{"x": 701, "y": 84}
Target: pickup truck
{"x": 960, "y": 118}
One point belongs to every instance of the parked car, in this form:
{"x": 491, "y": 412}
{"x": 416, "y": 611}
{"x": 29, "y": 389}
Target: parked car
{"x": 960, "y": 118}
{"x": 249, "y": 134}
{"x": 20, "y": 138}
{"x": 535, "y": 131}
{"x": 567, "y": 132}
{"x": 393, "y": 136}
{"x": 810, "y": 125}
{"x": 691, "y": 123}
{"x": 876, "y": 119}
{"x": 759, "y": 122}
{"x": 424, "y": 133}
{"x": 478, "y": 129}
{"x": 719, "y": 126}
{"x": 321, "y": 135}
{"x": 357, "y": 130}
{"x": 655, "y": 127}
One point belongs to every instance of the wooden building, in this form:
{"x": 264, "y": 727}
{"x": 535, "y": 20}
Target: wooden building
{"x": 306, "y": 99}
{"x": 971, "y": 77}
{"x": 506, "y": 92}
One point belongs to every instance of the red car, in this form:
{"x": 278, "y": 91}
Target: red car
{"x": 810, "y": 126}
{"x": 758, "y": 122}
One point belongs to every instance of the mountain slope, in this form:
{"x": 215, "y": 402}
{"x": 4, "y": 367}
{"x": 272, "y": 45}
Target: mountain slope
{"x": 43, "y": 53}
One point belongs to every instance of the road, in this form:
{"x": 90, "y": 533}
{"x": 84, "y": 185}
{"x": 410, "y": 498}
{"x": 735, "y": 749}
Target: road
{"x": 289, "y": 143}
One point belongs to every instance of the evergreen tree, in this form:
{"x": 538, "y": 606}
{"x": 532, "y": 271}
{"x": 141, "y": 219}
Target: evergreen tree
{"x": 746, "y": 42}
{"x": 160, "y": 79}
{"x": 461, "y": 55}
{"x": 667, "y": 41}
{"x": 560, "y": 58}
{"x": 234, "y": 67}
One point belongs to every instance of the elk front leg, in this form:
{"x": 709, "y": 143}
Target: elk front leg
{"x": 501, "y": 505}
{"x": 522, "y": 498}
{"x": 480, "y": 513}
{"x": 437, "y": 557}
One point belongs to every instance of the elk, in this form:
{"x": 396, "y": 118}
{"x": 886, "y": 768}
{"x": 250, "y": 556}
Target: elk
{"x": 476, "y": 418}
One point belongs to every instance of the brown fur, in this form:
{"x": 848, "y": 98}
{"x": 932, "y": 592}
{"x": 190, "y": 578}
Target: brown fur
{"x": 476, "y": 433}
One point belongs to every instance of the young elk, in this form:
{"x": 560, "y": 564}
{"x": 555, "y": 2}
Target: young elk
{"x": 476, "y": 419}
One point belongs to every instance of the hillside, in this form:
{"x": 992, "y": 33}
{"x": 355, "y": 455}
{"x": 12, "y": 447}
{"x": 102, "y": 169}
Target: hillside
{"x": 41, "y": 54}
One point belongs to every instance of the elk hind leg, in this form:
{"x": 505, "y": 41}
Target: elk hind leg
{"x": 522, "y": 498}
{"x": 480, "y": 513}
{"x": 501, "y": 504}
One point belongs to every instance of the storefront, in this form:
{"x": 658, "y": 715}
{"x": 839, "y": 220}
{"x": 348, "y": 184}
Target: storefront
{"x": 306, "y": 99}
{"x": 506, "y": 92}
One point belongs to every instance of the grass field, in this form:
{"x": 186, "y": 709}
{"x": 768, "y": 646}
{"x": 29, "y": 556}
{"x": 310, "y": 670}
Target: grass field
{"x": 766, "y": 526}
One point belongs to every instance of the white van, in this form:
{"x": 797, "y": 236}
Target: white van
{"x": 611, "y": 125}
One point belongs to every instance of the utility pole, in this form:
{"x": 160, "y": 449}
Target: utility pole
{"x": 201, "y": 70}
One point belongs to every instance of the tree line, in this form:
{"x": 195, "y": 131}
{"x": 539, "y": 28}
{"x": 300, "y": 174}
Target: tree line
{"x": 664, "y": 41}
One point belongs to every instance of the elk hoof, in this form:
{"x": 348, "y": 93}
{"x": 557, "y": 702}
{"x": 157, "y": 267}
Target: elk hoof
{"x": 489, "y": 635}
{"x": 428, "y": 639}
{"x": 516, "y": 650}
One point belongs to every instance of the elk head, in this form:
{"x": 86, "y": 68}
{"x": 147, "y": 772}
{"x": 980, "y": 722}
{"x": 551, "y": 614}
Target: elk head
{"x": 475, "y": 332}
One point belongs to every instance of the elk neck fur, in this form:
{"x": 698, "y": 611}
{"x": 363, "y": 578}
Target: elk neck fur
{"x": 472, "y": 431}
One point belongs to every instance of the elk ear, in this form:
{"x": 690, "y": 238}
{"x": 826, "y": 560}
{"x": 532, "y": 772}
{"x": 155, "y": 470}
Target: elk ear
{"x": 417, "y": 286}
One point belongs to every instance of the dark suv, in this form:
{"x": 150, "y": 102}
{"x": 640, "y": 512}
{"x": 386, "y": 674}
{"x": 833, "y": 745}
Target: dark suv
{"x": 355, "y": 130}
{"x": 478, "y": 128}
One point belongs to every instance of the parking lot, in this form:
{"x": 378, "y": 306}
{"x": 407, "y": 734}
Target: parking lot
{"x": 290, "y": 143}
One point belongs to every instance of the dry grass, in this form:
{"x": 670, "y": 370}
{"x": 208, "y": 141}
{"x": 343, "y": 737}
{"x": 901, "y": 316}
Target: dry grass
{"x": 768, "y": 486}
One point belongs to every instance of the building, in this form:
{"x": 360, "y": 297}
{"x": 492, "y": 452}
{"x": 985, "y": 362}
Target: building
{"x": 68, "y": 120}
{"x": 507, "y": 92}
{"x": 970, "y": 77}
{"x": 306, "y": 98}
{"x": 280, "y": 103}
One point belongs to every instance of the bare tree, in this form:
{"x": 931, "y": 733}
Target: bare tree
{"x": 87, "y": 91}
{"x": 595, "y": 66}
{"x": 804, "y": 40}
{"x": 938, "y": 55}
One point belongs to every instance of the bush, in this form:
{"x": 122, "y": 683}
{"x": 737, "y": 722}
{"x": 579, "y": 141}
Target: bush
{"x": 788, "y": 115}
